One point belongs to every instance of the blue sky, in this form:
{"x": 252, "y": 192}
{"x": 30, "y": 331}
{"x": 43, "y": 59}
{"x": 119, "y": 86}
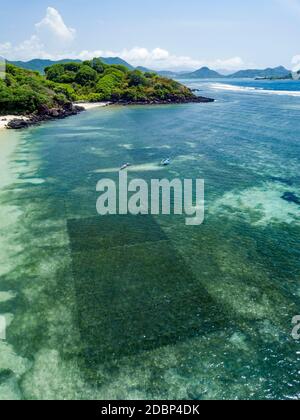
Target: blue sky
{"x": 223, "y": 34}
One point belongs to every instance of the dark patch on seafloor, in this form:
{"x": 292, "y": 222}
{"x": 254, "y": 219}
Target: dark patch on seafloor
{"x": 134, "y": 290}
{"x": 291, "y": 198}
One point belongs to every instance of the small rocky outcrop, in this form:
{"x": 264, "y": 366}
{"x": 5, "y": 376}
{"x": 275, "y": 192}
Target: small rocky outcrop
{"x": 18, "y": 124}
{"x": 45, "y": 114}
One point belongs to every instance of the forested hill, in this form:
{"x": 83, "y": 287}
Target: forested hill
{"x": 97, "y": 81}
{"x": 40, "y": 64}
{"x": 24, "y": 91}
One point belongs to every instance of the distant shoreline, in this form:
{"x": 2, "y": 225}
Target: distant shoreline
{"x": 176, "y": 101}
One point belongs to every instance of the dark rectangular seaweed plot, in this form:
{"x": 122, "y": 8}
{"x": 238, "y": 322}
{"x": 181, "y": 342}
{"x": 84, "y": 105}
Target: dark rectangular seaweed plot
{"x": 98, "y": 233}
{"x": 137, "y": 297}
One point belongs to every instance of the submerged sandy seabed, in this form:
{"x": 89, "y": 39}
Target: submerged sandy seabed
{"x": 8, "y": 143}
{"x": 240, "y": 267}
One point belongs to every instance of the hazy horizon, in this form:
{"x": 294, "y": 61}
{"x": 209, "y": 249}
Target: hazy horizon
{"x": 223, "y": 72}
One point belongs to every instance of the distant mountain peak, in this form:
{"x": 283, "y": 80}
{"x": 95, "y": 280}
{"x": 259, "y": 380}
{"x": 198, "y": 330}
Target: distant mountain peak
{"x": 203, "y": 73}
{"x": 40, "y": 64}
{"x": 279, "y": 71}
{"x": 116, "y": 61}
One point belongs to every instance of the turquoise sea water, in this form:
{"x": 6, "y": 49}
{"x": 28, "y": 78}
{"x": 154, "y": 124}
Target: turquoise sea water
{"x": 146, "y": 307}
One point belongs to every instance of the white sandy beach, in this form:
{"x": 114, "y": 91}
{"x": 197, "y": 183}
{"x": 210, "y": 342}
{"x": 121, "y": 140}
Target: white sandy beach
{"x": 92, "y": 105}
{"x": 4, "y": 120}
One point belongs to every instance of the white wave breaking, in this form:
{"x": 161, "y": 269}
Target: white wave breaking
{"x": 233, "y": 88}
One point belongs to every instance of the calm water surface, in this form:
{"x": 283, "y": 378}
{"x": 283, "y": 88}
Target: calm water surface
{"x": 145, "y": 307}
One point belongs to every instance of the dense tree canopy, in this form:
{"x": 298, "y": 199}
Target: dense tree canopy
{"x": 96, "y": 81}
{"x": 23, "y": 91}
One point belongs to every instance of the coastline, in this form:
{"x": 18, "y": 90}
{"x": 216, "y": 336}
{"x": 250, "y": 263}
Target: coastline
{"x": 5, "y": 119}
{"x": 173, "y": 101}
{"x": 46, "y": 114}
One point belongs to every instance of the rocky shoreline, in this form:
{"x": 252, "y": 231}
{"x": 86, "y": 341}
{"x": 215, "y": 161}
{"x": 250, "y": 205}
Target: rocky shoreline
{"x": 170, "y": 101}
{"x": 44, "y": 113}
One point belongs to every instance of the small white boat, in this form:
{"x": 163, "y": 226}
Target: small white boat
{"x": 125, "y": 166}
{"x": 166, "y": 162}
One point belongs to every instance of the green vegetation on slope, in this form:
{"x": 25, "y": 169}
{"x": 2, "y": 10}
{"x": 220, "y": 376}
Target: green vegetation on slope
{"x": 40, "y": 64}
{"x": 24, "y": 91}
{"x": 96, "y": 81}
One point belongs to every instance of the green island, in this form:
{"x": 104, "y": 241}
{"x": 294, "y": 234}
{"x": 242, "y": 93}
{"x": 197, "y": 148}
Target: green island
{"x": 25, "y": 92}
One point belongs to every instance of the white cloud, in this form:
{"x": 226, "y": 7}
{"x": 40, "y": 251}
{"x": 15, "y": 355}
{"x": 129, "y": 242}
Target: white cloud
{"x": 53, "y": 26}
{"x": 296, "y": 63}
{"x": 88, "y": 55}
{"x": 51, "y": 38}
{"x": 6, "y": 46}
{"x": 143, "y": 55}
{"x": 26, "y": 49}
{"x": 230, "y": 63}
{"x": 159, "y": 58}
{"x": 162, "y": 59}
